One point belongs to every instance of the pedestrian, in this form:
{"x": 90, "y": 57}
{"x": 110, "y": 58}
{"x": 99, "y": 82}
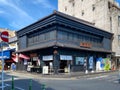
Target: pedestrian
{"x": 14, "y": 67}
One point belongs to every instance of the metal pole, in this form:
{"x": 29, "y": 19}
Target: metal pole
{"x": 43, "y": 87}
{"x": 12, "y": 82}
{"x": 30, "y": 85}
{"x": 2, "y": 67}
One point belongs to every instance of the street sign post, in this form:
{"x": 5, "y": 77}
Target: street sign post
{"x": 4, "y": 36}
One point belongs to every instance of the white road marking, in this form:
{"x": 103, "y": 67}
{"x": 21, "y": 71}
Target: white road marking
{"x": 19, "y": 88}
{"x": 98, "y": 77}
{"x": 9, "y": 79}
{"x": 3, "y": 86}
{"x": 116, "y": 81}
{"x": 7, "y": 85}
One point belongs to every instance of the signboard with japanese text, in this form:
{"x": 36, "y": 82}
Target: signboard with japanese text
{"x": 6, "y": 54}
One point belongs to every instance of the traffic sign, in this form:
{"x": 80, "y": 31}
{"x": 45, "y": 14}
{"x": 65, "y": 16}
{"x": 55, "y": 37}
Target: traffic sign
{"x": 4, "y": 36}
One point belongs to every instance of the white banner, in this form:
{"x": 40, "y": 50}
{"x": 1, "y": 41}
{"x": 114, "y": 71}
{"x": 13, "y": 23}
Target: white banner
{"x": 65, "y": 57}
{"x": 47, "y": 58}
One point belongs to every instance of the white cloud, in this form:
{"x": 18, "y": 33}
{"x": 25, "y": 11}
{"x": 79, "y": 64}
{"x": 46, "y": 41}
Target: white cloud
{"x": 44, "y": 3}
{"x": 1, "y": 11}
{"x": 17, "y": 9}
{"x": 17, "y": 14}
{"x": 17, "y": 25}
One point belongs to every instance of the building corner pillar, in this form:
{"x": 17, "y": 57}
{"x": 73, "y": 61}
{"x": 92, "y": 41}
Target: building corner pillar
{"x": 56, "y": 61}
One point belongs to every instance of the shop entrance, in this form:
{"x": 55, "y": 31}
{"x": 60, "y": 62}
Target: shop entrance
{"x": 65, "y": 66}
{"x": 49, "y": 64}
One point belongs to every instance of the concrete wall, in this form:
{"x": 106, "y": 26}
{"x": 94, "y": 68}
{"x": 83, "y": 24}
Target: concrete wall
{"x": 104, "y": 16}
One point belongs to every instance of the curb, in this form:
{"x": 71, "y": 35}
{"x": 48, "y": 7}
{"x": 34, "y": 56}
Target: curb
{"x": 67, "y": 76}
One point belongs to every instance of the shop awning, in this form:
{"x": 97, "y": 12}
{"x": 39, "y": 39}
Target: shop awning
{"x": 9, "y": 61}
{"x": 24, "y": 56}
{"x": 14, "y": 59}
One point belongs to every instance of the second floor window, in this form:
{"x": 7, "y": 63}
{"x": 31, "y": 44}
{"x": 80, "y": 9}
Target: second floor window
{"x": 65, "y": 8}
{"x": 119, "y": 40}
{"x": 93, "y": 7}
{"x": 118, "y": 20}
{"x": 82, "y": 12}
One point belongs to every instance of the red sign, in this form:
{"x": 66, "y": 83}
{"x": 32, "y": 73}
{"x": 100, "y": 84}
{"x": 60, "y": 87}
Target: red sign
{"x": 86, "y": 45}
{"x": 4, "y": 36}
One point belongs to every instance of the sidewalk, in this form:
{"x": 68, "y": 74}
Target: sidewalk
{"x": 60, "y": 75}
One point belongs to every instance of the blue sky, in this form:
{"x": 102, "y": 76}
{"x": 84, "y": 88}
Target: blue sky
{"x": 16, "y": 14}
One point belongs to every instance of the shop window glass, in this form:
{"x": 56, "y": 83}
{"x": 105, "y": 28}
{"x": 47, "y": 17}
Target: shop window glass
{"x": 35, "y": 39}
{"x": 79, "y": 60}
{"x": 75, "y": 37}
{"x": 47, "y": 36}
{"x": 62, "y": 35}
{"x": 41, "y": 37}
{"x": 52, "y": 35}
{"x": 86, "y": 39}
{"x": 80, "y": 38}
{"x": 70, "y": 36}
{"x": 83, "y": 38}
{"x": 30, "y": 41}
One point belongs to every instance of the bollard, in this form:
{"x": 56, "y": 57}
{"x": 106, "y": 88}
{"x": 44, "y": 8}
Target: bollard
{"x": 13, "y": 83}
{"x": 30, "y": 85}
{"x": 43, "y": 87}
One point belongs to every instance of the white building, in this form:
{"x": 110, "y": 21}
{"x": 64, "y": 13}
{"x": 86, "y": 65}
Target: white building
{"x": 104, "y": 14}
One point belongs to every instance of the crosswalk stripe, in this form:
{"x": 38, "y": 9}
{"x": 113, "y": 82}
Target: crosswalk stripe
{"x": 7, "y": 85}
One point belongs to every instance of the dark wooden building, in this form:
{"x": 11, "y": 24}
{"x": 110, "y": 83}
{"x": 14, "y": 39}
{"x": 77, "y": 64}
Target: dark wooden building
{"x": 61, "y": 41}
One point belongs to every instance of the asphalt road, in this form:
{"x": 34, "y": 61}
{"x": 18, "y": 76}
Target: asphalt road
{"x": 101, "y": 82}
